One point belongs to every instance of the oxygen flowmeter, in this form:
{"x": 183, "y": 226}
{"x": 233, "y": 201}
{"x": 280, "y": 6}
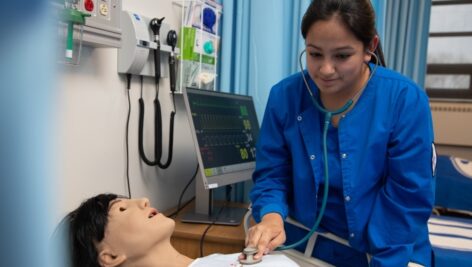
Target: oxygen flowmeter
{"x": 71, "y": 16}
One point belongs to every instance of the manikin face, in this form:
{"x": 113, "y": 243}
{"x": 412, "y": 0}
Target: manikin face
{"x": 335, "y": 58}
{"x": 134, "y": 227}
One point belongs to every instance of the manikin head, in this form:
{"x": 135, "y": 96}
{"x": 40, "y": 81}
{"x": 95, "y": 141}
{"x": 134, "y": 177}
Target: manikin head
{"x": 107, "y": 230}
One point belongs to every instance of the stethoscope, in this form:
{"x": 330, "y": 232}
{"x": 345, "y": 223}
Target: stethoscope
{"x": 327, "y": 120}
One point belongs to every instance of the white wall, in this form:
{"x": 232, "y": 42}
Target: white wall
{"x": 92, "y": 110}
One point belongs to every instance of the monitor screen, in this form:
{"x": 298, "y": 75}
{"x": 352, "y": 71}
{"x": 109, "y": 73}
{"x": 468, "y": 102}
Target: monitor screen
{"x": 225, "y": 129}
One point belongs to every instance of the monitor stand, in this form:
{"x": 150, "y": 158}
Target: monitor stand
{"x": 206, "y": 212}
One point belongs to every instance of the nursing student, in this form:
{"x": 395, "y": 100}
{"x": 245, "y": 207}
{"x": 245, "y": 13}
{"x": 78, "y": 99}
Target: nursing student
{"x": 380, "y": 149}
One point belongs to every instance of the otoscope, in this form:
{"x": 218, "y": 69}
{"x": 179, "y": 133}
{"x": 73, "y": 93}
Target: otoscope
{"x": 155, "y": 25}
{"x": 172, "y": 41}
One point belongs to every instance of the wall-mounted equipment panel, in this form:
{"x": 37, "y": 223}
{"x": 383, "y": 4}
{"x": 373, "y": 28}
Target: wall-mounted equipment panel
{"x": 137, "y": 46}
{"x": 102, "y": 28}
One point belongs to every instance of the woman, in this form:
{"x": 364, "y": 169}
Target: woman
{"x": 380, "y": 150}
{"x": 107, "y": 230}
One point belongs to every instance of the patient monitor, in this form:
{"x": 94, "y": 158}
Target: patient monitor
{"x": 224, "y": 129}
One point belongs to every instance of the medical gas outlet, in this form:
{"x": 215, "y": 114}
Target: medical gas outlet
{"x": 136, "y": 55}
{"x": 89, "y": 5}
{"x": 101, "y": 28}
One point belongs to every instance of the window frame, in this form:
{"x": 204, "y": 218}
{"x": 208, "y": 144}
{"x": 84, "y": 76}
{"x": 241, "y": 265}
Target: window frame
{"x": 454, "y": 69}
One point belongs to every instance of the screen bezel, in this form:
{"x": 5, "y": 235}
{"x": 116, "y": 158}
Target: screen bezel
{"x": 218, "y": 180}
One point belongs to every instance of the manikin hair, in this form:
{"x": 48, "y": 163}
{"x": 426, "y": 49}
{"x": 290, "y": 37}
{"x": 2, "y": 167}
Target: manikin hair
{"x": 82, "y": 229}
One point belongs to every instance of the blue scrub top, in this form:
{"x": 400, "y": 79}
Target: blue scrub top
{"x": 385, "y": 165}
{"x": 334, "y": 218}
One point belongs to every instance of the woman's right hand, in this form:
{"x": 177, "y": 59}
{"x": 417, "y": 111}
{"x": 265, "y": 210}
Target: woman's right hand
{"x": 266, "y": 235}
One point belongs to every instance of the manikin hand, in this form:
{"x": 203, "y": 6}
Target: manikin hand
{"x": 267, "y": 235}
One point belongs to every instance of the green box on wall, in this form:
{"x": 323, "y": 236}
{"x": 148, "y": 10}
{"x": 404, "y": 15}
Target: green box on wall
{"x": 190, "y": 48}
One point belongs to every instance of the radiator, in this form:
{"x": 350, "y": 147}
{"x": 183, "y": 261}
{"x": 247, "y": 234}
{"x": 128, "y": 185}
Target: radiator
{"x": 452, "y": 123}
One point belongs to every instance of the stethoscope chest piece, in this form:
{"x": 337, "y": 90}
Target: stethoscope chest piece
{"x": 249, "y": 253}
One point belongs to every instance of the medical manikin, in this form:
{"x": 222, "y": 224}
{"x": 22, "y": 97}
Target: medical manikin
{"x": 107, "y": 230}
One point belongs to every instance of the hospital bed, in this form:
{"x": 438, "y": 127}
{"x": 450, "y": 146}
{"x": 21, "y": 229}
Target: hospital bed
{"x": 454, "y": 184}
{"x": 451, "y": 236}
{"x": 451, "y": 232}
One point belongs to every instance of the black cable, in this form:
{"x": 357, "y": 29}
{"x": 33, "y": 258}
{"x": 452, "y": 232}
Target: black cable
{"x": 203, "y": 236}
{"x": 171, "y": 142}
{"x": 128, "y": 76}
{"x": 157, "y": 87}
{"x": 175, "y": 213}
{"x": 157, "y": 133}
{"x": 141, "y": 78}
{"x": 158, "y": 122}
{"x": 173, "y": 101}
{"x": 157, "y": 129}
{"x": 228, "y": 196}
{"x": 228, "y": 189}
{"x": 179, "y": 208}
{"x": 141, "y": 129}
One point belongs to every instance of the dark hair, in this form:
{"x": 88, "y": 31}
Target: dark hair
{"x": 83, "y": 227}
{"x": 357, "y": 15}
